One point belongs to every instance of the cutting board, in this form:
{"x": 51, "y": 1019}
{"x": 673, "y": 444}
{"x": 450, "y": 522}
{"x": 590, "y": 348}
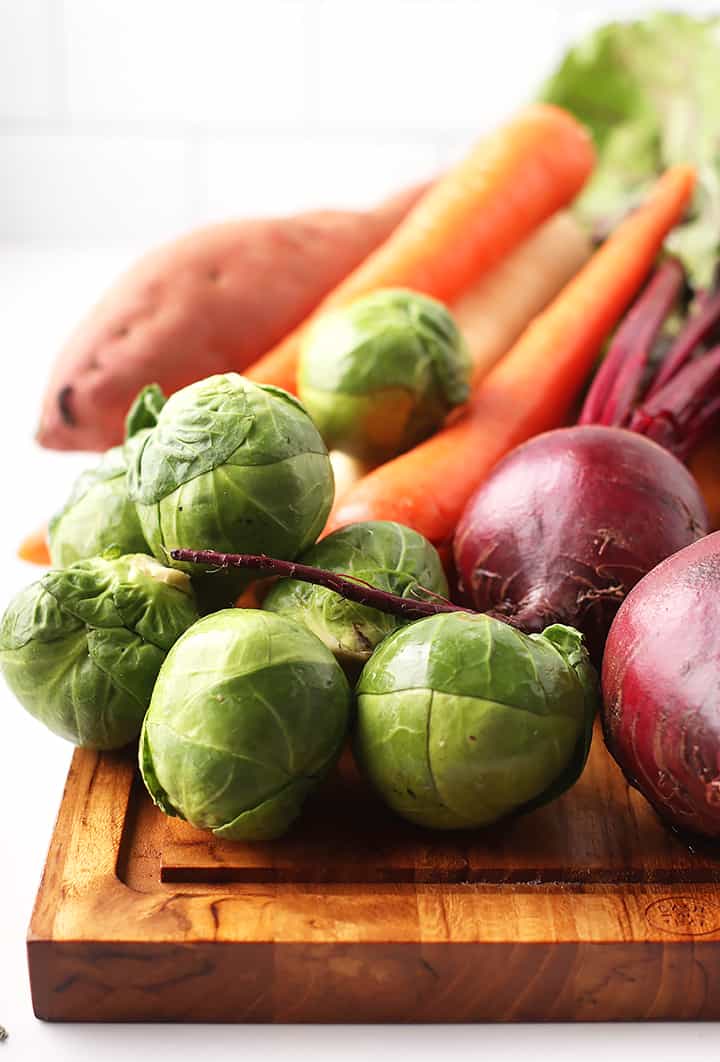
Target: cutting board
{"x": 585, "y": 910}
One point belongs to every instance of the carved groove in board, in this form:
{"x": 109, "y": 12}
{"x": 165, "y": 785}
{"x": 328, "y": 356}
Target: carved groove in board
{"x": 600, "y": 832}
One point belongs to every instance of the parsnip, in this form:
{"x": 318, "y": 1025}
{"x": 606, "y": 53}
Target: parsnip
{"x": 347, "y": 471}
{"x": 493, "y": 312}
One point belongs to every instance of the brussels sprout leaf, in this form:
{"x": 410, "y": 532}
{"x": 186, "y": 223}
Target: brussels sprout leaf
{"x": 145, "y": 410}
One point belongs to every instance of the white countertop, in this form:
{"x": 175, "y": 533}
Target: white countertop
{"x": 43, "y": 295}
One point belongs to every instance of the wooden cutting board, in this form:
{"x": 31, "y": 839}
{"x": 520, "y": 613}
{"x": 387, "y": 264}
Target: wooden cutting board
{"x": 586, "y": 910}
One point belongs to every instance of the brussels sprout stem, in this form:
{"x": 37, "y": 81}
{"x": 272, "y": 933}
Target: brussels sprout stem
{"x": 347, "y": 586}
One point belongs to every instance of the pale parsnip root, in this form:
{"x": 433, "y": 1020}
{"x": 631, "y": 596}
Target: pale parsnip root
{"x": 495, "y": 311}
{"x": 347, "y": 471}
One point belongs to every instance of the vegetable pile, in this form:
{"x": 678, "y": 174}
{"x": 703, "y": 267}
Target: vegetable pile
{"x": 449, "y": 610}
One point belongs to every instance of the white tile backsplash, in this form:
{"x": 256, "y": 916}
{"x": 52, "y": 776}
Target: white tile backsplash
{"x": 187, "y": 61}
{"x": 424, "y": 64}
{"x": 28, "y": 58}
{"x": 265, "y": 176}
{"x": 128, "y": 120}
{"x": 70, "y": 188}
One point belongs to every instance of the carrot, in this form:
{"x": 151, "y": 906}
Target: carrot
{"x": 531, "y": 389}
{"x": 249, "y": 598}
{"x": 34, "y": 548}
{"x": 469, "y": 219}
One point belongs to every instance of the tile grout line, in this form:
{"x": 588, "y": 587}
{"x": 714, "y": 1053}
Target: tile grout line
{"x": 159, "y": 129}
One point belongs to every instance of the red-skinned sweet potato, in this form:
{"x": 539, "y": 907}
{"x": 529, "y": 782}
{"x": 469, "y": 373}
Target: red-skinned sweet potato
{"x": 212, "y": 301}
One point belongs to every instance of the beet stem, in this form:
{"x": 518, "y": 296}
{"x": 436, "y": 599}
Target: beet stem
{"x": 677, "y": 414}
{"x": 697, "y": 329}
{"x": 705, "y": 421}
{"x": 617, "y": 381}
{"x": 346, "y": 585}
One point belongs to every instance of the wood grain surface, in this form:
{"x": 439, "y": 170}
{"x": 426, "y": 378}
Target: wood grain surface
{"x": 585, "y": 910}
{"x": 601, "y": 831}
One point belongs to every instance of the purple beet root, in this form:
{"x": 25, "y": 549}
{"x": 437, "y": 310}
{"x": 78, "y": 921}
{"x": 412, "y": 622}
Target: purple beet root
{"x": 661, "y": 688}
{"x": 568, "y": 523}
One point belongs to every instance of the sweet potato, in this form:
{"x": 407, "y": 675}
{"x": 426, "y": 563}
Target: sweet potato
{"x": 211, "y": 301}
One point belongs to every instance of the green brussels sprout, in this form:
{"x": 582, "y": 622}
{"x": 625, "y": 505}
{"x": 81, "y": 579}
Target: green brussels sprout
{"x": 249, "y": 713}
{"x": 382, "y": 374}
{"x": 235, "y": 466}
{"x": 384, "y": 554}
{"x": 463, "y": 720}
{"x": 97, "y": 515}
{"x": 81, "y": 648}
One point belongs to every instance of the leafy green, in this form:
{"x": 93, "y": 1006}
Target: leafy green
{"x": 384, "y": 554}
{"x": 463, "y": 720}
{"x": 647, "y": 90}
{"x": 249, "y": 713}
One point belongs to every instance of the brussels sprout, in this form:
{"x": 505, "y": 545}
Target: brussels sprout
{"x": 81, "y": 648}
{"x": 387, "y": 555}
{"x": 380, "y": 375}
{"x": 249, "y": 713}
{"x": 463, "y": 720}
{"x": 235, "y": 466}
{"x": 97, "y": 515}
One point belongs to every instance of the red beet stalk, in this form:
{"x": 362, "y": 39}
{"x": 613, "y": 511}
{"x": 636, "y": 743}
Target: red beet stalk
{"x": 616, "y": 381}
{"x": 678, "y": 414}
{"x": 347, "y": 586}
{"x": 697, "y": 330}
{"x": 680, "y": 402}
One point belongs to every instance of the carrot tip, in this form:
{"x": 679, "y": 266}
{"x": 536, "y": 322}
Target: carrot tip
{"x": 34, "y": 549}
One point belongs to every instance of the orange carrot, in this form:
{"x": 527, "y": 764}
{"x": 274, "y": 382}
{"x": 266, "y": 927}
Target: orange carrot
{"x": 35, "y": 549}
{"x": 470, "y": 219}
{"x": 531, "y": 389}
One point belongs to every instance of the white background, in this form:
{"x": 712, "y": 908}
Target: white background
{"x": 123, "y": 122}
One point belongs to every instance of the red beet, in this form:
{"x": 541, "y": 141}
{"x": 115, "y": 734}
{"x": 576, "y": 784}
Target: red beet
{"x": 661, "y": 688}
{"x": 568, "y": 522}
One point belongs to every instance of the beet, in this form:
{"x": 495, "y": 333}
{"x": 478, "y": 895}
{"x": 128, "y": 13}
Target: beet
{"x": 568, "y": 523}
{"x": 661, "y": 688}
